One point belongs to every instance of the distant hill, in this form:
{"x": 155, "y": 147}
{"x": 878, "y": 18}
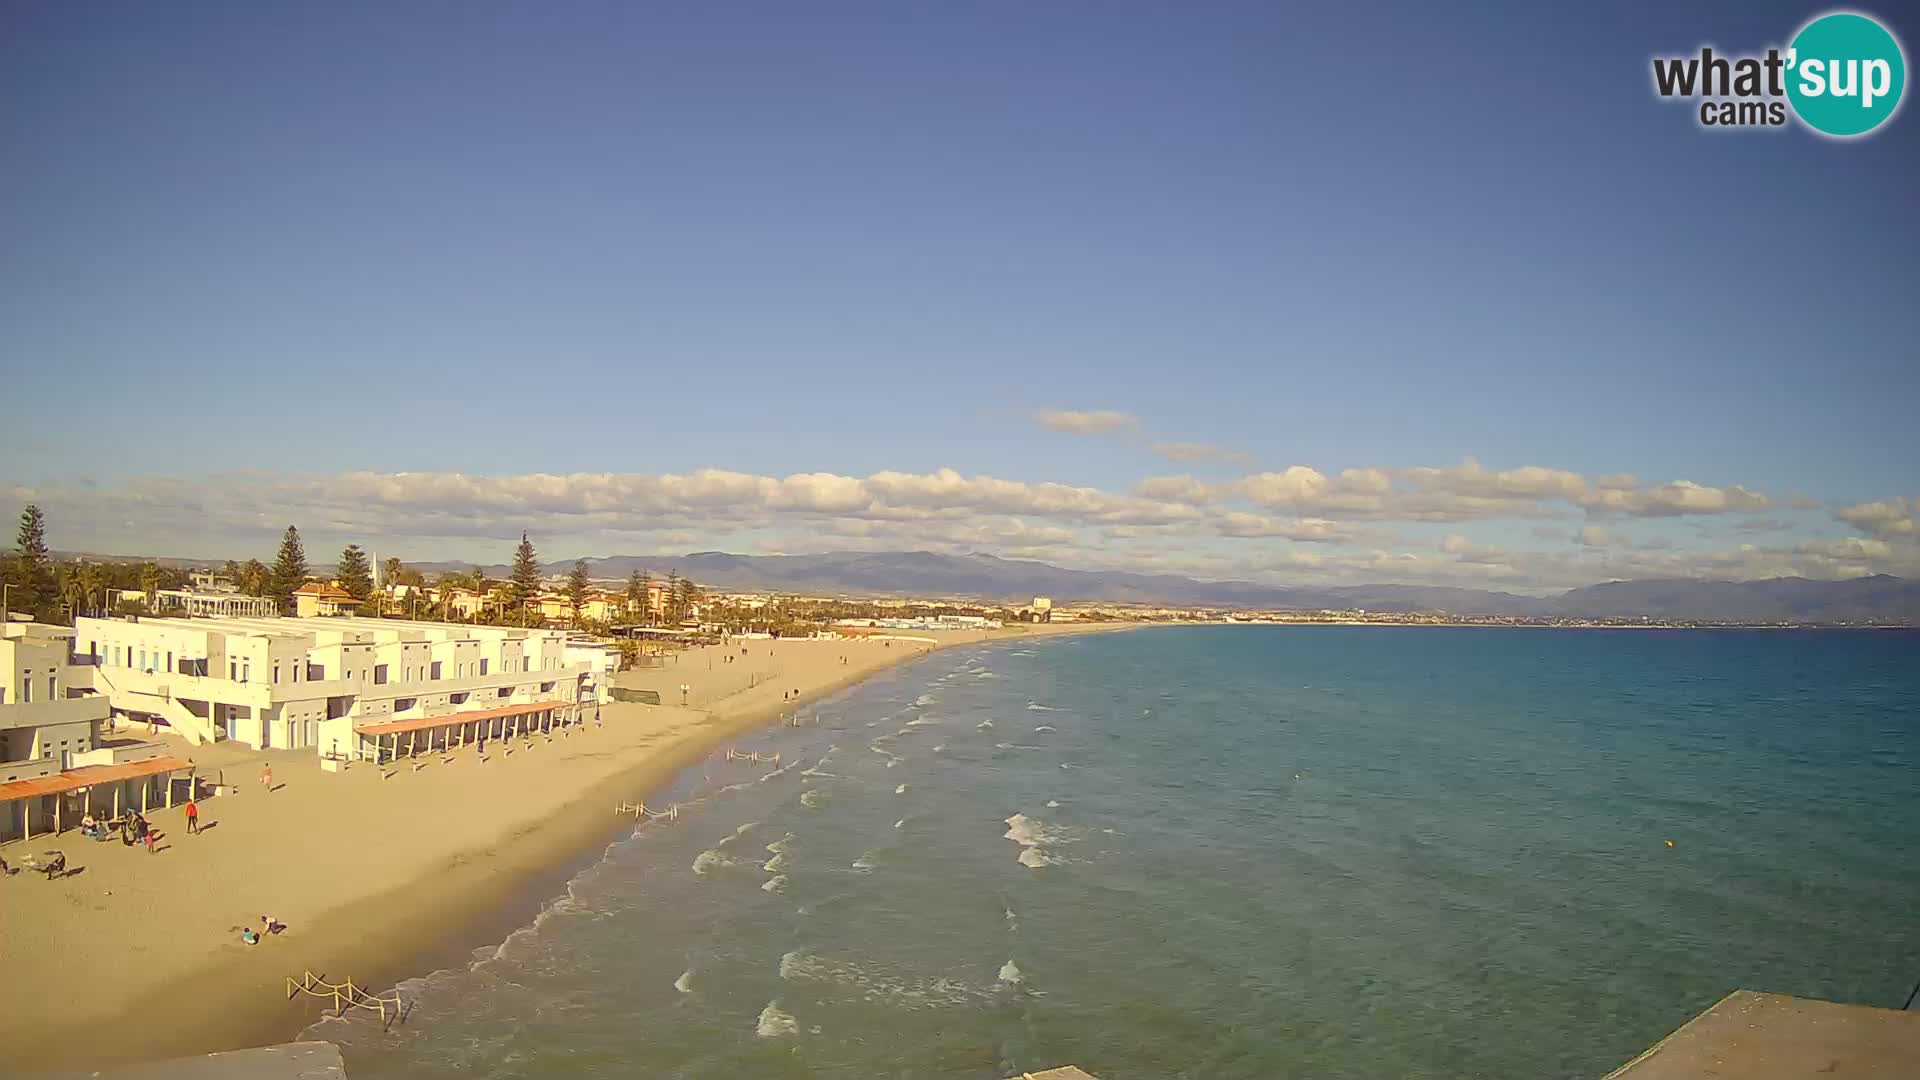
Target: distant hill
{"x": 1879, "y": 598}
{"x": 986, "y": 577}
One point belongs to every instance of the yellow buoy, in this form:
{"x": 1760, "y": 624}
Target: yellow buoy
{"x": 1669, "y": 843}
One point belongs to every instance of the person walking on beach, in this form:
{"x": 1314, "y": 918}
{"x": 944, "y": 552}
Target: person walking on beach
{"x": 148, "y": 838}
{"x": 193, "y": 817}
{"x": 266, "y": 776}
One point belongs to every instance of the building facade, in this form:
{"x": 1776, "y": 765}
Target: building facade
{"x": 305, "y": 683}
{"x": 53, "y": 768}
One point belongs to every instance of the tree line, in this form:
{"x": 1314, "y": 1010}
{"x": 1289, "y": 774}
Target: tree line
{"x": 53, "y": 590}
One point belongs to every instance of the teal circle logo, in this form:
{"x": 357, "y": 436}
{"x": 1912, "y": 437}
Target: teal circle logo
{"x": 1845, "y": 74}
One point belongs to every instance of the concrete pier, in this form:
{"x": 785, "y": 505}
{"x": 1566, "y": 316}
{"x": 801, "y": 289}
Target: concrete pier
{"x": 1750, "y": 1034}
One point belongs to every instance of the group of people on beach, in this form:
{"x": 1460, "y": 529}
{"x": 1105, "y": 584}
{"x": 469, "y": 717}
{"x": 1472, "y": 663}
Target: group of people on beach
{"x": 134, "y": 828}
{"x": 268, "y": 925}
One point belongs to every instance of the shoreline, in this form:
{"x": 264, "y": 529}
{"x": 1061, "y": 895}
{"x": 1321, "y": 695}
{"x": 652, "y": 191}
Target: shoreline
{"x": 455, "y": 900}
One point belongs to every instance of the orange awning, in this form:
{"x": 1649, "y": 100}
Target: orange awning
{"x": 75, "y": 779}
{"x": 397, "y": 727}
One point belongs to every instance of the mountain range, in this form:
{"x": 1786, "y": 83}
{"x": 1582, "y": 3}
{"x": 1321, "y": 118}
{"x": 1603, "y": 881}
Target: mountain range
{"x": 1879, "y": 598}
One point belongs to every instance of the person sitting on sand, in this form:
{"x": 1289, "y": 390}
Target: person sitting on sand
{"x": 271, "y": 925}
{"x": 247, "y": 935}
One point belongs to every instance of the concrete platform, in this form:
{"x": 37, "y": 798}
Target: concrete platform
{"x": 1750, "y": 1034}
{"x": 288, "y": 1061}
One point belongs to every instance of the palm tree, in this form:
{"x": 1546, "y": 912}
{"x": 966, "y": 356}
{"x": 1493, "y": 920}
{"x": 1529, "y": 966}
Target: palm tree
{"x": 93, "y": 584}
{"x": 66, "y": 580}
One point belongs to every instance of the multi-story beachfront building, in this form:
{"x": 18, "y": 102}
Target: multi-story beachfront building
{"x": 55, "y": 765}
{"x": 298, "y": 683}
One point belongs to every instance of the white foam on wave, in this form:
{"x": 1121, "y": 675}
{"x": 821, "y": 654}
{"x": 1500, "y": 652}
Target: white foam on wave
{"x": 1035, "y": 858}
{"x": 901, "y": 790}
{"x": 899, "y": 823}
{"x": 1010, "y": 973}
{"x": 1037, "y": 707}
{"x": 737, "y": 834}
{"x": 710, "y": 860}
{"x": 891, "y": 762}
{"x": 939, "y": 748}
{"x": 1016, "y": 746}
{"x": 776, "y": 1022}
{"x": 864, "y": 864}
{"x": 811, "y": 798}
{"x": 776, "y": 883}
{"x": 684, "y": 983}
{"x": 924, "y": 721}
{"x": 1053, "y": 804}
{"x": 984, "y": 725}
{"x": 1042, "y": 729}
{"x": 926, "y": 699}
{"x": 775, "y": 864}
{"x": 880, "y": 983}
{"x": 780, "y": 845}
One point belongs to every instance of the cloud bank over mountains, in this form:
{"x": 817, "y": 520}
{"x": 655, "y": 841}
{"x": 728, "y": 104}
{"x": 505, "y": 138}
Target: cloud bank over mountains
{"x": 1524, "y": 528}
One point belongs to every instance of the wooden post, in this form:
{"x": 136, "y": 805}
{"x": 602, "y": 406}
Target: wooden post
{"x": 29, "y": 818}
{"x": 146, "y": 786}
{"x": 117, "y": 788}
{"x": 57, "y": 800}
{"x": 169, "y": 775}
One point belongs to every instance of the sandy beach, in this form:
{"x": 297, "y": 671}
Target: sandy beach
{"x": 379, "y": 874}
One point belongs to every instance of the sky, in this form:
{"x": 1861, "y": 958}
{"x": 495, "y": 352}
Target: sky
{"x": 1388, "y": 292}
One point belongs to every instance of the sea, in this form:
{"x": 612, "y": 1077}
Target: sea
{"x": 1233, "y": 852}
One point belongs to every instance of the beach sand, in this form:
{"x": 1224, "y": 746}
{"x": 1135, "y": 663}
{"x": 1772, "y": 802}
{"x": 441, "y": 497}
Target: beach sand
{"x": 379, "y": 877}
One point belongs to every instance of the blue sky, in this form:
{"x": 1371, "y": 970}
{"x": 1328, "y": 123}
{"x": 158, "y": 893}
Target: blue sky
{"x": 255, "y": 258}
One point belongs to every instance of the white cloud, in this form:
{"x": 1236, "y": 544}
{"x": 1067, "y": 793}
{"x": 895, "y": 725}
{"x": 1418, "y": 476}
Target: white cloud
{"x": 1299, "y": 521}
{"x": 1887, "y": 517}
{"x": 1091, "y": 422}
{"x": 1199, "y": 451}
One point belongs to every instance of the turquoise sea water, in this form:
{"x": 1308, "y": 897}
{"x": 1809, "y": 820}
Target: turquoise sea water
{"x": 1235, "y": 852}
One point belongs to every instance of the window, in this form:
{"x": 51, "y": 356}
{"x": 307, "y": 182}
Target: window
{"x": 169, "y": 659}
{"x": 53, "y": 693}
{"x": 246, "y": 670}
{"x": 276, "y": 673}
{"x": 483, "y": 667}
{"x": 26, "y": 691}
{"x": 379, "y": 674}
{"x": 435, "y": 669}
{"x": 233, "y": 670}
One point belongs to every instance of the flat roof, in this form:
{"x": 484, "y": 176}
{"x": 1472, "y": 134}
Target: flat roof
{"x": 1753, "y": 1034}
{"x": 395, "y": 727}
{"x": 75, "y": 779}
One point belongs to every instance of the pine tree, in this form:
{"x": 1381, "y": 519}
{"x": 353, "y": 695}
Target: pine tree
{"x": 672, "y": 598}
{"x": 33, "y": 588}
{"x": 646, "y": 598}
{"x": 636, "y": 593}
{"x": 254, "y": 578}
{"x": 577, "y": 586}
{"x": 289, "y": 569}
{"x": 687, "y": 599}
{"x": 524, "y": 583}
{"x": 149, "y": 580}
{"x": 355, "y": 572}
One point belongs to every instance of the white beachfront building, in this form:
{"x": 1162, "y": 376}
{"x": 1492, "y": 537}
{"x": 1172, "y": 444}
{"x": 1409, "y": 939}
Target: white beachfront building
{"x": 325, "y": 682}
{"x": 54, "y": 767}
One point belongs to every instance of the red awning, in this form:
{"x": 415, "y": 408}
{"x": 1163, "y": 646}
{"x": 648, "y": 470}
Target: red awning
{"x": 398, "y": 727}
{"x": 75, "y": 779}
